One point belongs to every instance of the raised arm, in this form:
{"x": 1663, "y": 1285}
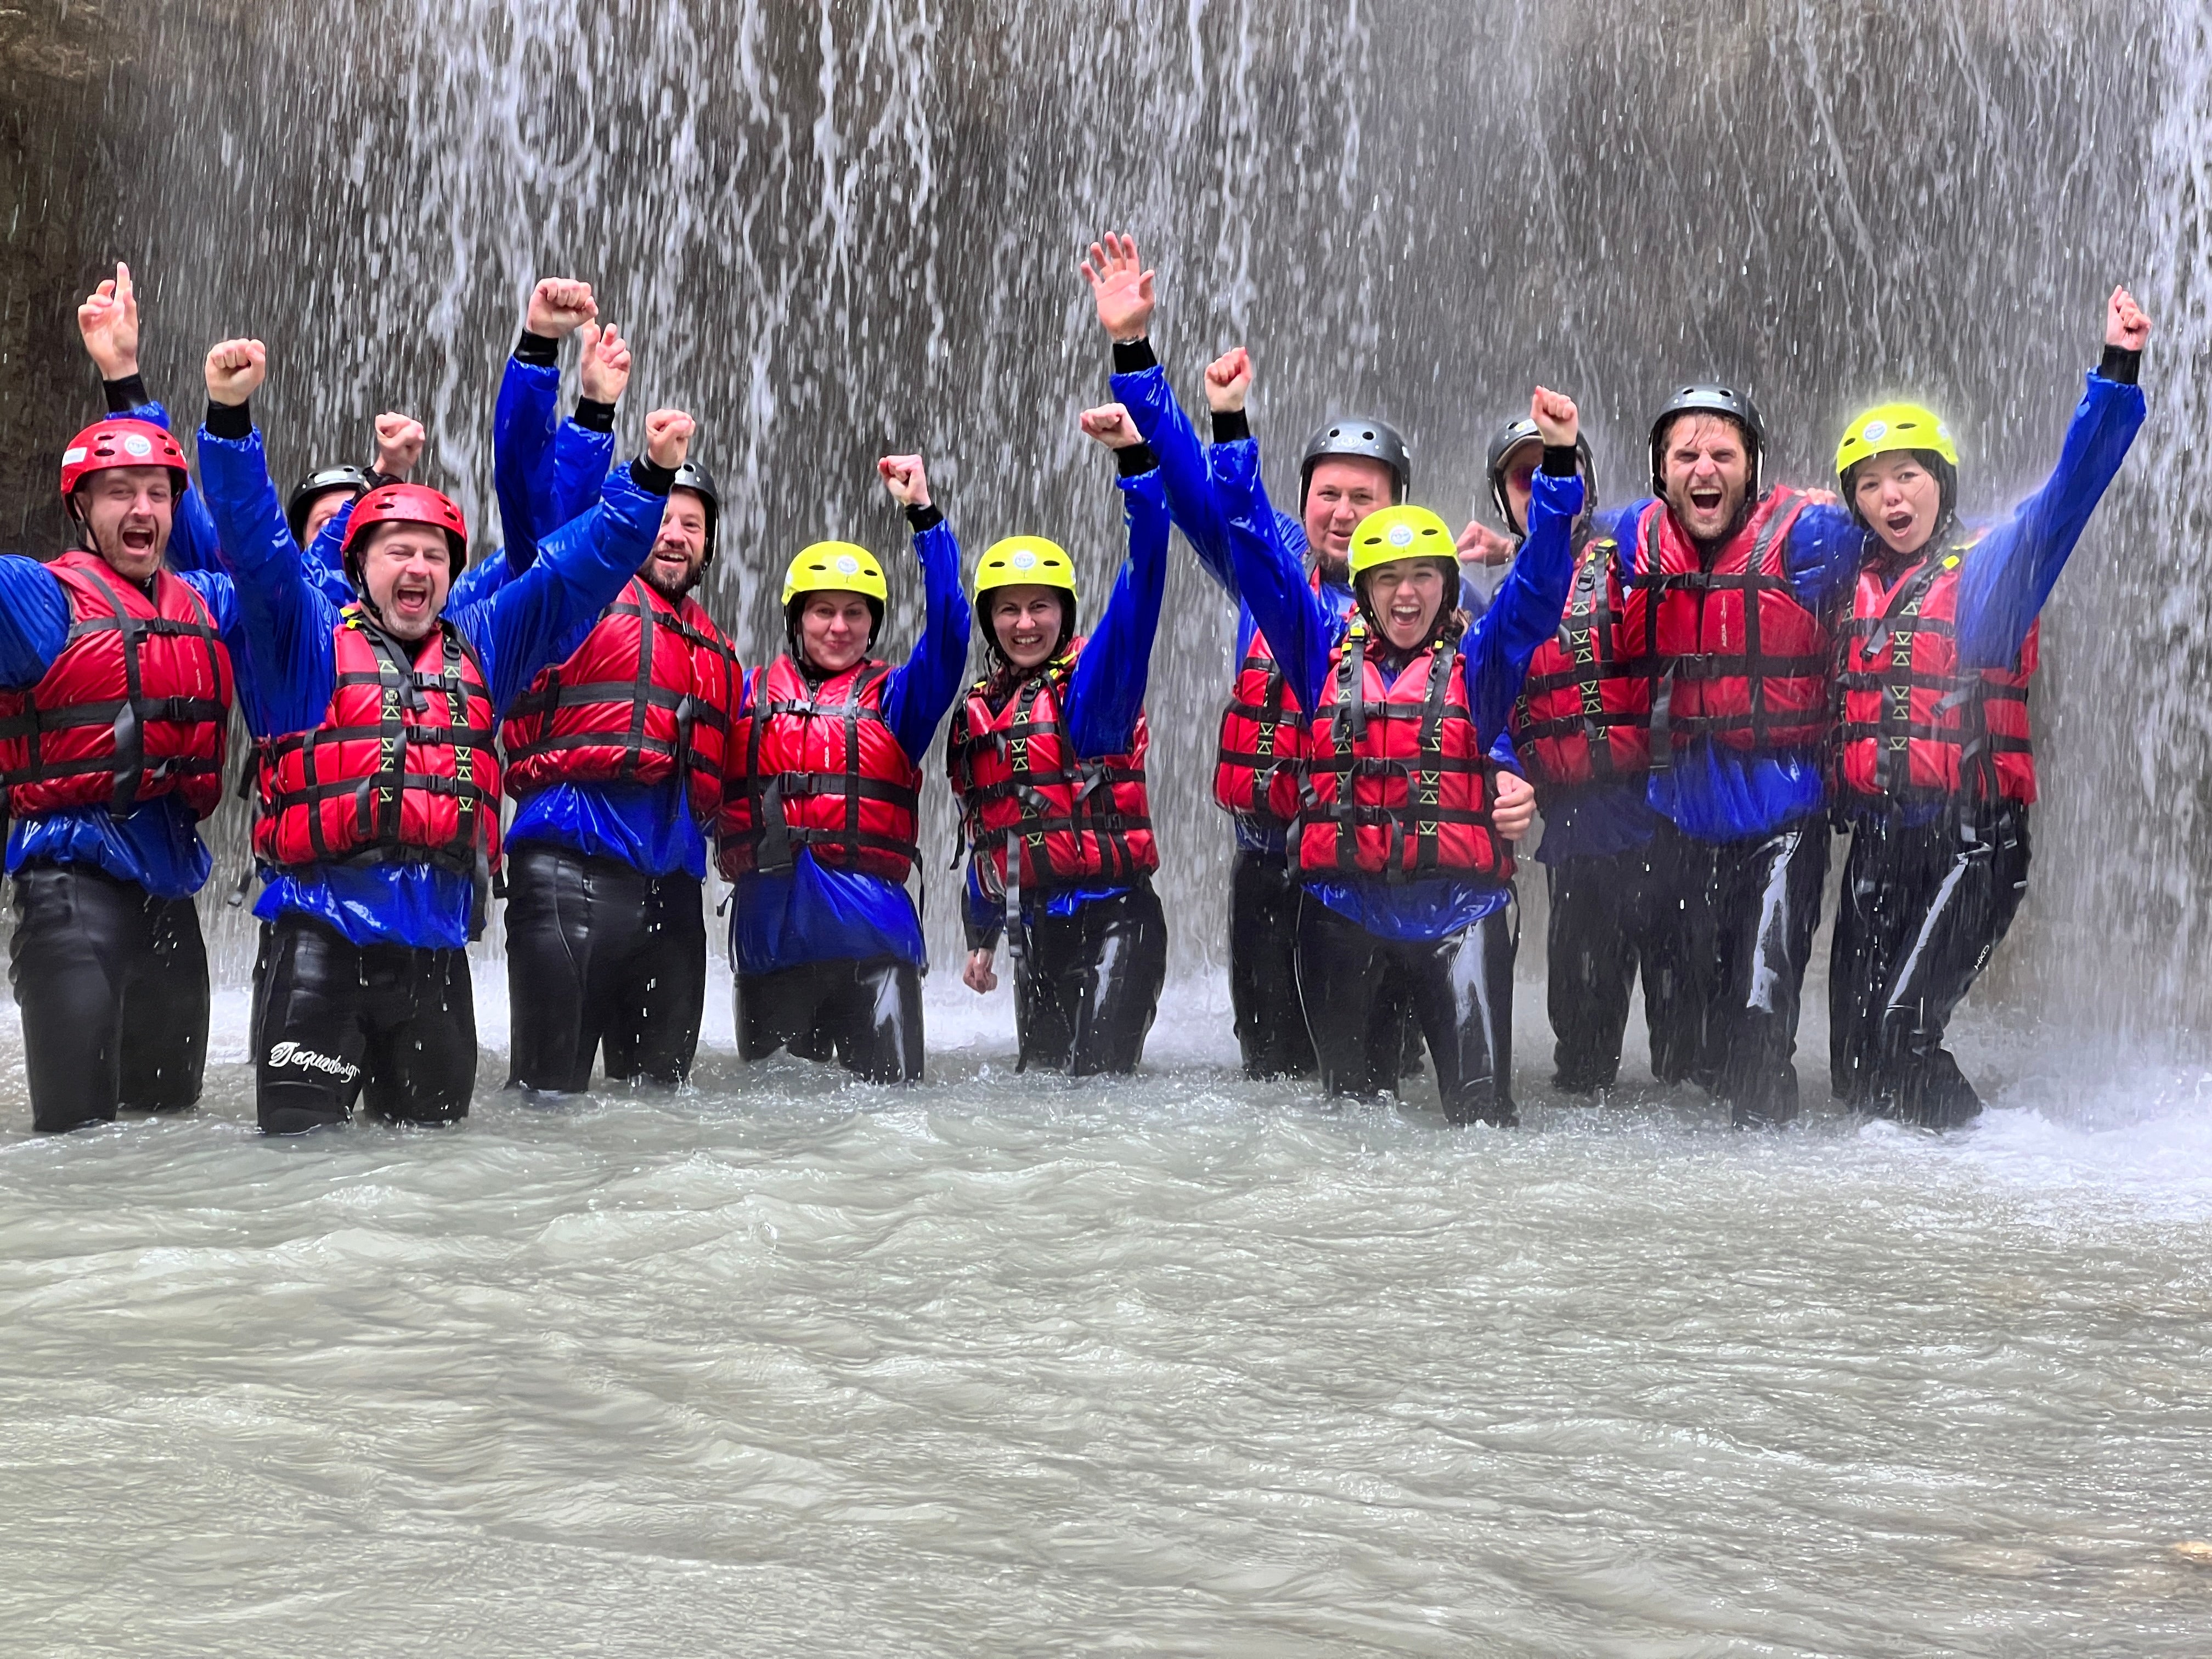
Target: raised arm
{"x": 1106, "y": 689}
{"x": 1271, "y": 576}
{"x": 584, "y": 446}
{"x": 1529, "y": 601}
{"x": 581, "y": 567}
{"x": 2010, "y": 573}
{"x": 286, "y": 616}
{"x": 921, "y": 688}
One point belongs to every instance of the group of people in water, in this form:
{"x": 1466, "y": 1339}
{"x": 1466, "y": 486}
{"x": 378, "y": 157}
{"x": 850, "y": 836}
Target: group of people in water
{"x": 1692, "y": 690}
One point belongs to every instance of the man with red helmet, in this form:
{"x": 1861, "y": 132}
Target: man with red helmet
{"x": 115, "y": 693}
{"x": 379, "y": 785}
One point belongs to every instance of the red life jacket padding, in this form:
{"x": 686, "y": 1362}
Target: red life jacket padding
{"x": 1079, "y": 823}
{"x": 1583, "y": 715}
{"x": 817, "y": 767}
{"x": 1914, "y": 726}
{"x": 1730, "y": 653}
{"x": 402, "y": 767}
{"x": 1397, "y": 776}
{"x": 645, "y": 696}
{"x": 1256, "y": 771}
{"x": 137, "y": 704}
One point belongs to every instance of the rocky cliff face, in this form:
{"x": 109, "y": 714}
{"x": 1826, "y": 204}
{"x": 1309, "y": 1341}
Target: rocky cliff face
{"x": 59, "y": 61}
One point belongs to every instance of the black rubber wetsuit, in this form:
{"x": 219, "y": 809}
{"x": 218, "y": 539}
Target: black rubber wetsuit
{"x": 1086, "y": 985}
{"x": 866, "y": 1016}
{"x": 602, "y": 955}
{"x": 1605, "y": 926}
{"x": 113, "y": 985}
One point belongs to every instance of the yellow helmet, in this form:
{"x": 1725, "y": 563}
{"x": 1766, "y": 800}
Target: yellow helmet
{"x": 1890, "y": 427}
{"x": 1404, "y": 531}
{"x": 835, "y": 567}
{"x": 1020, "y": 559}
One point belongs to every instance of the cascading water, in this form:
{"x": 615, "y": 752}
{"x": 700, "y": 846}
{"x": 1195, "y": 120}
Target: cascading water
{"x": 1183, "y": 1364}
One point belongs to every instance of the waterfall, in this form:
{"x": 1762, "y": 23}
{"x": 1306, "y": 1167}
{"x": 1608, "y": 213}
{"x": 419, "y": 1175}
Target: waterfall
{"x": 850, "y": 226}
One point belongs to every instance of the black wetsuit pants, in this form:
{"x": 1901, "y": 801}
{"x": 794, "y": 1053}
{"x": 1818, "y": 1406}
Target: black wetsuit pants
{"x": 1740, "y": 915}
{"x": 334, "y": 1022}
{"x": 599, "y": 953}
{"x": 1605, "y": 926}
{"x": 113, "y": 985}
{"x": 1263, "y": 966}
{"x": 1087, "y": 986}
{"x": 1358, "y": 987}
{"x": 1922, "y": 910}
{"x": 866, "y": 1016}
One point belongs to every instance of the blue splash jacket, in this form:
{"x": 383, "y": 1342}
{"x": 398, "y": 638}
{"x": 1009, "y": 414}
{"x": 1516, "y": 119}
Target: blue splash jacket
{"x": 1305, "y": 632}
{"x": 287, "y": 678}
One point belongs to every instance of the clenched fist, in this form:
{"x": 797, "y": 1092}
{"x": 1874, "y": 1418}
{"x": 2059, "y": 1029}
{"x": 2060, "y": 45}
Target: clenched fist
{"x": 559, "y": 306}
{"x": 236, "y": 370}
{"x": 1229, "y": 380}
{"x": 1516, "y": 808}
{"x": 400, "y": 440}
{"x": 668, "y": 437}
{"x": 1111, "y": 425}
{"x": 903, "y": 476}
{"x": 1556, "y": 418}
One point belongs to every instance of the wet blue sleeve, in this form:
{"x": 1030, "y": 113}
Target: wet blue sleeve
{"x": 1823, "y": 554}
{"x": 579, "y": 569}
{"x": 1185, "y": 474}
{"x": 1503, "y": 750}
{"x": 325, "y": 558}
{"x": 920, "y": 690}
{"x": 522, "y": 457}
{"x": 1273, "y": 578}
{"x": 485, "y": 578}
{"x": 287, "y": 618}
{"x": 1526, "y": 611}
{"x": 2010, "y": 572}
{"x": 220, "y": 594}
{"x": 33, "y": 620}
{"x": 581, "y": 461}
{"x": 1107, "y": 688}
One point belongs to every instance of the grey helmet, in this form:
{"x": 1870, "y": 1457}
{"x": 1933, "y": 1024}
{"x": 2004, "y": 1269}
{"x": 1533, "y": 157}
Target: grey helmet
{"x": 1510, "y": 437}
{"x": 1358, "y": 436}
{"x": 695, "y": 479}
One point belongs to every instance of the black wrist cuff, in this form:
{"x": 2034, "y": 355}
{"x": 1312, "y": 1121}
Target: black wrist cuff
{"x": 652, "y": 479}
{"x": 1136, "y": 460}
{"x": 536, "y": 349}
{"x": 125, "y": 394}
{"x": 2121, "y": 365}
{"x": 1560, "y": 461}
{"x": 1230, "y": 425}
{"x": 1134, "y": 356}
{"x": 229, "y": 420}
{"x": 983, "y": 938}
{"x": 593, "y": 416}
{"x": 924, "y": 518}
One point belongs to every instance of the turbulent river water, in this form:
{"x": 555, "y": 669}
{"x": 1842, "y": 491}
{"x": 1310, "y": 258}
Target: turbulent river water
{"x": 1002, "y": 1365}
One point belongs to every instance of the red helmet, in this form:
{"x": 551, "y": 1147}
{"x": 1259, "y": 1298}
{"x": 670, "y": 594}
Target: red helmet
{"x": 107, "y": 443}
{"x": 407, "y": 503}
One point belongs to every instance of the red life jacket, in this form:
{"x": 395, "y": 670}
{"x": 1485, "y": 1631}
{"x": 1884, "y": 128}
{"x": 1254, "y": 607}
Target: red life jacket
{"x": 1079, "y": 823}
{"x": 402, "y": 769}
{"x": 1397, "y": 776}
{"x": 646, "y": 695}
{"x": 137, "y": 704}
{"x": 1256, "y": 770}
{"x": 1583, "y": 715}
{"x": 1752, "y": 675}
{"x": 1914, "y": 726}
{"x": 817, "y": 767}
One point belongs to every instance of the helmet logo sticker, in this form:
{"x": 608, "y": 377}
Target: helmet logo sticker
{"x": 1402, "y": 535}
{"x": 1024, "y": 560}
{"x": 1876, "y": 430}
{"x": 71, "y": 457}
{"x": 135, "y": 445}
{"x": 847, "y": 565}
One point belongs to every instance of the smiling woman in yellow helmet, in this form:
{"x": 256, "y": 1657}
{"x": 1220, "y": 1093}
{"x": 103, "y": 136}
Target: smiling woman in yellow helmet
{"x": 1934, "y": 773}
{"x": 1046, "y": 759}
{"x": 1406, "y": 871}
{"x": 817, "y": 821}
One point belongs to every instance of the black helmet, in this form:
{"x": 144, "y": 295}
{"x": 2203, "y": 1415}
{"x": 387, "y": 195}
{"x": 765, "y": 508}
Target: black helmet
{"x": 1364, "y": 437}
{"x": 320, "y": 483}
{"x": 1706, "y": 398}
{"x": 695, "y": 479}
{"x": 1510, "y": 437}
